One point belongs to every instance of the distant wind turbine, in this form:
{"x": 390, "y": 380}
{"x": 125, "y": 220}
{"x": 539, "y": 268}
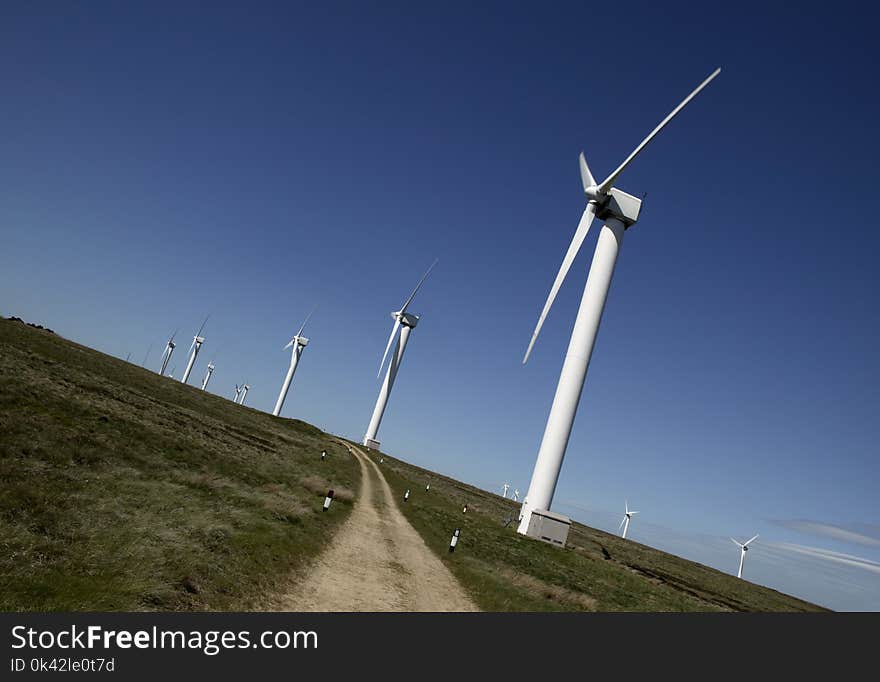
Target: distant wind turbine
{"x": 208, "y": 375}
{"x": 743, "y": 548}
{"x": 244, "y": 390}
{"x": 516, "y": 495}
{"x": 404, "y": 322}
{"x": 506, "y": 487}
{"x": 624, "y": 523}
{"x": 237, "y": 393}
{"x": 298, "y": 344}
{"x": 619, "y": 211}
{"x": 194, "y": 348}
{"x": 166, "y": 354}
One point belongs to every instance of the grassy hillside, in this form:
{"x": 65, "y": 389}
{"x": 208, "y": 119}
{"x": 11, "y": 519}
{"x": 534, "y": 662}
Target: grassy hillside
{"x": 123, "y": 490}
{"x": 504, "y": 571}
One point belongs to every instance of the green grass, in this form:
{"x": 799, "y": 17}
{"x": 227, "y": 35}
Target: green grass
{"x": 123, "y": 490}
{"x": 504, "y": 571}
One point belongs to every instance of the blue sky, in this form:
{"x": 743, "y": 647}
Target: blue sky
{"x": 160, "y": 163}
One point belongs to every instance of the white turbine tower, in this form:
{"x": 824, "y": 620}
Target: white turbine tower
{"x": 244, "y": 390}
{"x": 404, "y": 322}
{"x": 166, "y": 354}
{"x": 618, "y": 210}
{"x": 237, "y": 393}
{"x": 624, "y": 523}
{"x": 298, "y": 342}
{"x": 208, "y": 375}
{"x": 194, "y": 348}
{"x": 506, "y": 487}
{"x": 743, "y": 548}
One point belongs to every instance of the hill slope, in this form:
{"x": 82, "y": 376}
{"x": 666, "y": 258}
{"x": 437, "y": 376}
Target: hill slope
{"x": 123, "y": 490}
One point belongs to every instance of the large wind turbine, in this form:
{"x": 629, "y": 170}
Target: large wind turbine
{"x": 624, "y": 523}
{"x": 404, "y": 322}
{"x": 244, "y": 390}
{"x": 298, "y": 342}
{"x": 743, "y": 548}
{"x": 166, "y": 354}
{"x": 618, "y": 210}
{"x": 196, "y": 346}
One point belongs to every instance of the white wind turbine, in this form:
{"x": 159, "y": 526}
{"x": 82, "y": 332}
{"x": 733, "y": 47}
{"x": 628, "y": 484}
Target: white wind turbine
{"x": 244, "y": 390}
{"x": 166, "y": 354}
{"x": 619, "y": 211}
{"x": 298, "y": 342}
{"x": 404, "y": 322}
{"x": 506, "y": 487}
{"x": 237, "y": 393}
{"x": 516, "y": 495}
{"x": 194, "y": 348}
{"x": 624, "y": 523}
{"x": 743, "y": 548}
{"x": 208, "y": 375}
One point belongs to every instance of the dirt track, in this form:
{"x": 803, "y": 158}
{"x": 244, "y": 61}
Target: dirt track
{"x": 377, "y": 562}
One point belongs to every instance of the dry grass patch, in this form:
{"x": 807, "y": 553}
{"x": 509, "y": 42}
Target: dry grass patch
{"x": 548, "y": 591}
{"x": 320, "y": 485}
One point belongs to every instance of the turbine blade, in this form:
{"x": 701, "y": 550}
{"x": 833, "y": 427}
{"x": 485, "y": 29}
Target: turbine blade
{"x": 173, "y": 335}
{"x": 609, "y": 181}
{"x": 306, "y": 321}
{"x": 586, "y": 175}
{"x": 622, "y": 521}
{"x": 289, "y": 344}
{"x": 748, "y": 541}
{"x": 577, "y": 241}
{"x": 413, "y": 294}
{"x": 394, "y": 329}
{"x": 203, "y": 326}
{"x": 735, "y": 542}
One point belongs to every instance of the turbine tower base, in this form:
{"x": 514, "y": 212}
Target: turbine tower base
{"x": 371, "y": 444}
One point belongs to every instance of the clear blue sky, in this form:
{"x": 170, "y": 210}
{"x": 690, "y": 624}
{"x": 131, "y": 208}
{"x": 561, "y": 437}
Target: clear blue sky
{"x": 163, "y": 162}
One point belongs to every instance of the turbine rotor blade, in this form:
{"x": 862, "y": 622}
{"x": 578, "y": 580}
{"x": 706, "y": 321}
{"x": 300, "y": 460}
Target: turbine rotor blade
{"x": 394, "y": 329}
{"x": 739, "y": 544}
{"x": 622, "y": 521}
{"x": 203, "y": 326}
{"x": 748, "y": 541}
{"x": 289, "y": 344}
{"x": 609, "y": 181}
{"x": 306, "y": 321}
{"x": 418, "y": 286}
{"x": 577, "y": 241}
{"x": 586, "y": 175}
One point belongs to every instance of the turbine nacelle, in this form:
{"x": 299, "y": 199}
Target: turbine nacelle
{"x": 620, "y": 205}
{"x": 298, "y": 340}
{"x": 406, "y": 319}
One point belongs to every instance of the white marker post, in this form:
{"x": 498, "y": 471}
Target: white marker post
{"x": 454, "y": 541}
{"x": 327, "y": 500}
{"x": 406, "y": 495}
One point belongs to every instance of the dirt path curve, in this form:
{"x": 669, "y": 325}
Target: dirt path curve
{"x": 377, "y": 561}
